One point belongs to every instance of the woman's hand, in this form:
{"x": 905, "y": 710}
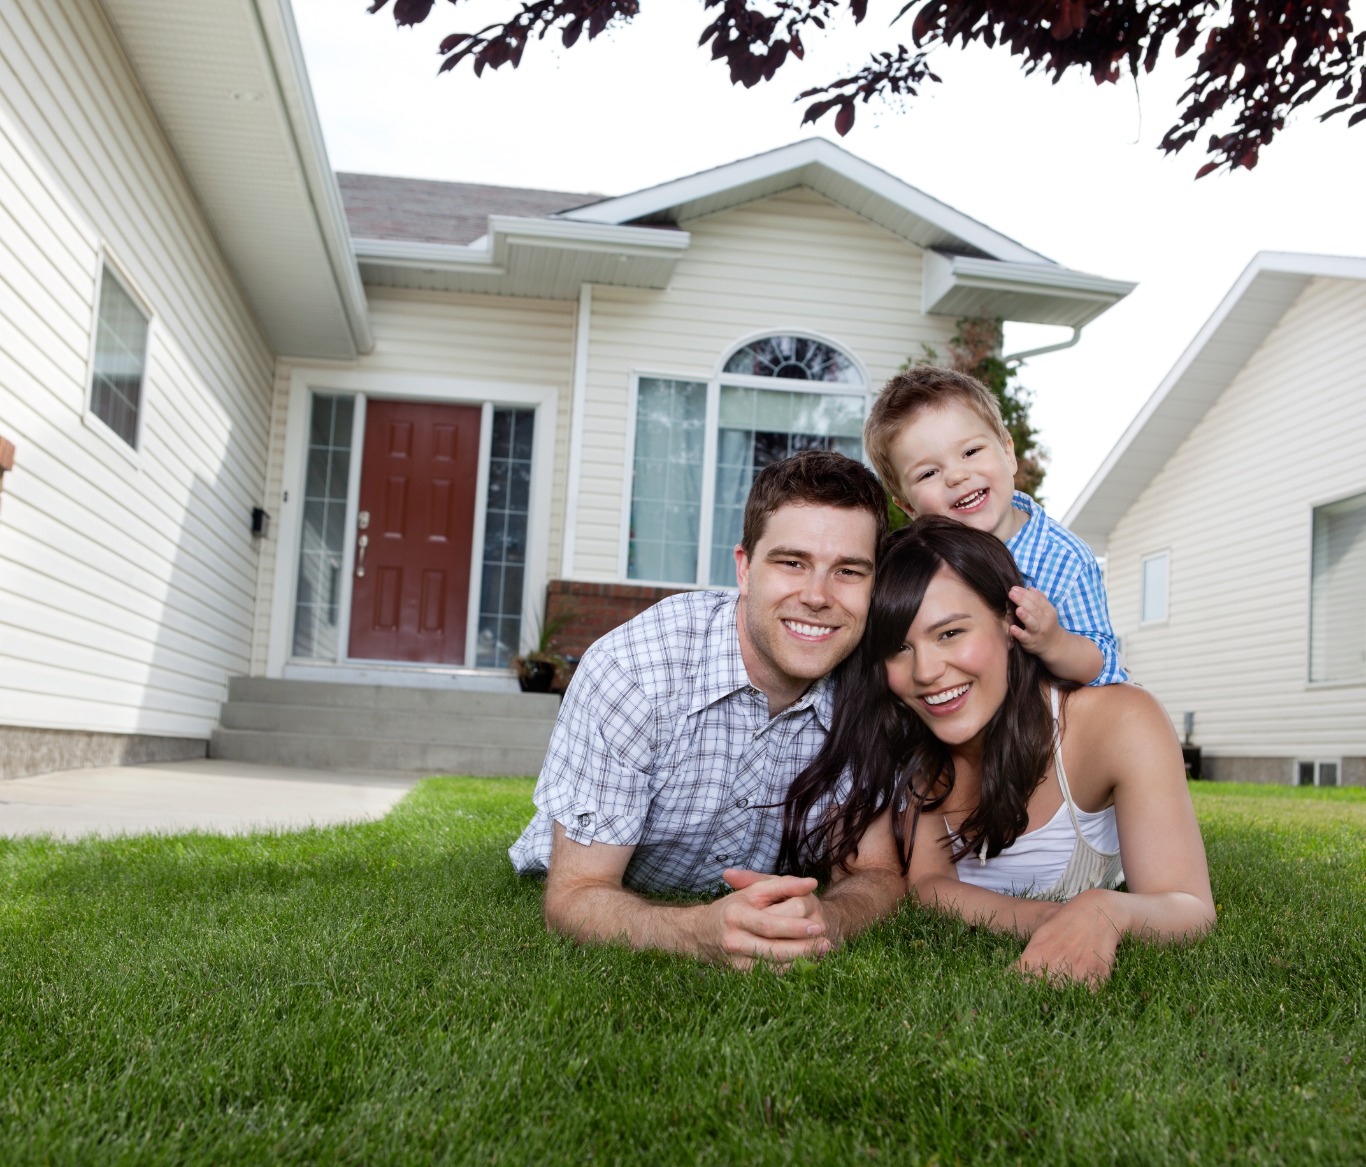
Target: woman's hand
{"x": 1078, "y": 942}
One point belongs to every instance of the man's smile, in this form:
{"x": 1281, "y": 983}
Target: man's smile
{"x": 809, "y": 631}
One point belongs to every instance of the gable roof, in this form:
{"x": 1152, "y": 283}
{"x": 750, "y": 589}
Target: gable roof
{"x": 978, "y": 271}
{"x": 468, "y": 238}
{"x": 1243, "y": 320}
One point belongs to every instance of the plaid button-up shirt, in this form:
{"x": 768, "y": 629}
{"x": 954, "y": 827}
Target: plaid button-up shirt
{"x": 1061, "y": 566}
{"x": 662, "y": 744}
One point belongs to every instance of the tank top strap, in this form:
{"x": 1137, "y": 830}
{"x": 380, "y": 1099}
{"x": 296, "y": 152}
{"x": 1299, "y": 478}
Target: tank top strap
{"x": 1057, "y": 762}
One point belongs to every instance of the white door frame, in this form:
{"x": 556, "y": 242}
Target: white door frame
{"x": 303, "y": 383}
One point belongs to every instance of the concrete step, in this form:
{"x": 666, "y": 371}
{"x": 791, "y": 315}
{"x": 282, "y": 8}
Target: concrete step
{"x": 332, "y": 752}
{"x": 435, "y": 727}
{"x": 323, "y": 725}
{"x": 449, "y": 702}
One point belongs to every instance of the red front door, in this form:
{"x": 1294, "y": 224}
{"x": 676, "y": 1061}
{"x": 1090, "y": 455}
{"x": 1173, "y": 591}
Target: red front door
{"x": 411, "y": 592}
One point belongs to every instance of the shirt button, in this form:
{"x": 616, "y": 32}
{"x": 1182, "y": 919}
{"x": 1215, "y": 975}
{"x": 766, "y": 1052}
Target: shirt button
{"x": 742, "y": 803}
{"x": 723, "y": 857}
{"x": 585, "y": 819}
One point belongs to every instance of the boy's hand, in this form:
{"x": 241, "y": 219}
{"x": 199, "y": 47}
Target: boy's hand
{"x": 1040, "y": 631}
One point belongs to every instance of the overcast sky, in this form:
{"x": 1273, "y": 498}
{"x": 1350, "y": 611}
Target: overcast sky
{"x": 1070, "y": 170}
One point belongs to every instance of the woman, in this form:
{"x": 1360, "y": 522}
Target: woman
{"x": 1013, "y": 800}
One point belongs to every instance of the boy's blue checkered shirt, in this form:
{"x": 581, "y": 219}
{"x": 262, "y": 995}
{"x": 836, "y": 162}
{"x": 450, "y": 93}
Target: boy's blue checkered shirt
{"x": 1061, "y": 566}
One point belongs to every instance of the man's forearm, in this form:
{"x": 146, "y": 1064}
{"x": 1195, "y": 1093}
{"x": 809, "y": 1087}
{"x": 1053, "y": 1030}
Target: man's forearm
{"x": 860, "y": 899}
{"x": 770, "y": 918}
{"x": 608, "y": 915}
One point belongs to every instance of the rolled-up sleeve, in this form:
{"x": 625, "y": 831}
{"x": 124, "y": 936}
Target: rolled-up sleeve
{"x": 1083, "y": 610}
{"x": 595, "y": 781}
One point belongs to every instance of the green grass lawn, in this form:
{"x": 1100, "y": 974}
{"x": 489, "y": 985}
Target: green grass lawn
{"x": 386, "y": 993}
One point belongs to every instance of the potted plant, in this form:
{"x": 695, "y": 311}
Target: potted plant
{"x": 536, "y": 669}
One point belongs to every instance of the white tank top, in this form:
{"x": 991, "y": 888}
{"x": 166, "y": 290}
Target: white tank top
{"x": 1073, "y": 851}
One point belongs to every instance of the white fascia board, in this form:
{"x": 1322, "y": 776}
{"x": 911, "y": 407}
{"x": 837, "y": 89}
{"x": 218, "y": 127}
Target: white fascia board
{"x": 276, "y": 19}
{"x": 812, "y": 152}
{"x": 573, "y": 236}
{"x": 943, "y": 273}
{"x": 488, "y": 254}
{"x": 1264, "y": 264}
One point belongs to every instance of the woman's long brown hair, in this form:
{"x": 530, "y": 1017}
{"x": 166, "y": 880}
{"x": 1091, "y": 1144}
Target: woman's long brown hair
{"x": 879, "y": 754}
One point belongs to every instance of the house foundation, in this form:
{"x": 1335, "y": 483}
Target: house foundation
{"x": 25, "y": 751}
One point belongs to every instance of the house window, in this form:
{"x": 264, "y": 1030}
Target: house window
{"x": 505, "y": 530}
{"x": 691, "y": 475}
{"x": 120, "y": 358}
{"x": 1155, "y": 575}
{"x": 1317, "y": 773}
{"x": 1337, "y": 592}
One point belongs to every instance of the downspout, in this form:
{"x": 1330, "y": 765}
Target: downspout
{"x": 1017, "y": 358}
{"x": 578, "y": 391}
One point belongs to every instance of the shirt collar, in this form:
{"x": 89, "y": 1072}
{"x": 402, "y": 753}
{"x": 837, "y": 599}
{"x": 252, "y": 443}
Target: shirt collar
{"x": 722, "y": 669}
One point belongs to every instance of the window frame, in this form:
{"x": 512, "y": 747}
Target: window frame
{"x": 1315, "y": 505}
{"x": 109, "y": 265}
{"x": 1318, "y": 764}
{"x": 710, "y": 441}
{"x": 1165, "y": 555}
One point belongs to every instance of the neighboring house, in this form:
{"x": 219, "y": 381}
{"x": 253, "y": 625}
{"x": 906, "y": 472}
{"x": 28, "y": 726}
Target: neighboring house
{"x": 1232, "y": 515}
{"x": 270, "y": 423}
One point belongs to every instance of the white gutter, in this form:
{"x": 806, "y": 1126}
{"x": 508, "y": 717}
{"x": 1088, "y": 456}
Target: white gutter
{"x": 486, "y": 255}
{"x": 945, "y": 273}
{"x": 276, "y": 20}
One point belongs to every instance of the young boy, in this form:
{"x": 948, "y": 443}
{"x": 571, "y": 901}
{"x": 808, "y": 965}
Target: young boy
{"x": 937, "y": 440}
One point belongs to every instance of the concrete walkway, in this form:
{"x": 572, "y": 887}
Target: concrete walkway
{"x": 201, "y": 795}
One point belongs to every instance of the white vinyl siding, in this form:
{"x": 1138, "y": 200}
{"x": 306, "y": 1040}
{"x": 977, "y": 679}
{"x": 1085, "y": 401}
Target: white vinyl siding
{"x": 476, "y": 341}
{"x": 794, "y": 263}
{"x": 126, "y": 583}
{"x": 1235, "y": 504}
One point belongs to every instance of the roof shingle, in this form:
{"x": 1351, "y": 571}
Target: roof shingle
{"x": 424, "y": 211}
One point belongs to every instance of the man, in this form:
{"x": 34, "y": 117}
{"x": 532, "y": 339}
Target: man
{"x": 683, "y": 729}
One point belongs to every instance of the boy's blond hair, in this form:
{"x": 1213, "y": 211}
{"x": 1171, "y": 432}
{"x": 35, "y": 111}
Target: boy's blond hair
{"x": 911, "y": 393}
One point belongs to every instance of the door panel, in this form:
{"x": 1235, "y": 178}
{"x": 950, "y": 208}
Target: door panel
{"x": 418, "y": 478}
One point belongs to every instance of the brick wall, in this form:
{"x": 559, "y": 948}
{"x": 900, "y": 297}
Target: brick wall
{"x": 597, "y": 608}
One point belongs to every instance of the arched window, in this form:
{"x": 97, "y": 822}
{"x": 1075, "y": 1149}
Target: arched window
{"x": 773, "y": 397}
{"x": 796, "y": 358}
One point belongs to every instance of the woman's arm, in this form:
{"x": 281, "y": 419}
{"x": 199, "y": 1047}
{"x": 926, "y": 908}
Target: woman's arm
{"x": 1121, "y": 737}
{"x": 933, "y": 881}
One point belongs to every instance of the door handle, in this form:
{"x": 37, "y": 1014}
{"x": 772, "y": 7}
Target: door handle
{"x": 362, "y": 543}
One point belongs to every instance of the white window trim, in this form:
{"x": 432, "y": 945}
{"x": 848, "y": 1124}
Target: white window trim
{"x": 1166, "y": 555}
{"x": 303, "y": 383}
{"x": 713, "y": 416}
{"x": 89, "y": 418}
{"x": 1318, "y": 764}
{"x": 1308, "y": 627}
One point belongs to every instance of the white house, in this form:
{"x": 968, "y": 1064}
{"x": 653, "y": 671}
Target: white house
{"x": 1232, "y": 515}
{"x": 270, "y": 424}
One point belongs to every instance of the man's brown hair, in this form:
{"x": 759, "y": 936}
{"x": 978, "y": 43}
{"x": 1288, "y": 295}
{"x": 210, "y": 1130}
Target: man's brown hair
{"x": 913, "y": 392}
{"x": 812, "y": 478}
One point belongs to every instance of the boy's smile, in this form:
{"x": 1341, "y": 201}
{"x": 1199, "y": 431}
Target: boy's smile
{"x": 950, "y": 462}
